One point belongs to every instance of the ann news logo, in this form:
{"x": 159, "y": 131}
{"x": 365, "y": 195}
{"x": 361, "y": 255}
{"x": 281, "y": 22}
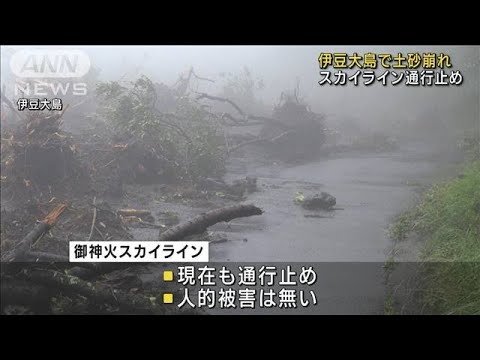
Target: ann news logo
{"x": 49, "y": 63}
{"x": 50, "y": 72}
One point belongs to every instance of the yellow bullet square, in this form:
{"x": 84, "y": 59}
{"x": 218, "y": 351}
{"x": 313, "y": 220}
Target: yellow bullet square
{"x": 168, "y": 298}
{"x": 168, "y": 275}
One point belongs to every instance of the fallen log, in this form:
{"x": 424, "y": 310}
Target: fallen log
{"x": 201, "y": 222}
{"x": 37, "y": 232}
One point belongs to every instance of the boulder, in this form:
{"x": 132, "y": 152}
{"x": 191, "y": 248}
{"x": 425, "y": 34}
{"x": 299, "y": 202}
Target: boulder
{"x": 322, "y": 201}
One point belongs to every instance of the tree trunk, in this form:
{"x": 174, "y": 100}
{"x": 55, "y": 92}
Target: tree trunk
{"x": 201, "y": 222}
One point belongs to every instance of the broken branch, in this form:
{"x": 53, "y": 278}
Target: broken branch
{"x": 37, "y": 232}
{"x": 199, "y": 77}
{"x": 225, "y": 100}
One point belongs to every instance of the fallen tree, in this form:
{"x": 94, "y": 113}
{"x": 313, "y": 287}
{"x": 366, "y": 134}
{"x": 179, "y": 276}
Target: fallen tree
{"x": 200, "y": 223}
{"x": 37, "y": 279}
{"x": 43, "y": 166}
{"x": 293, "y": 132}
{"x": 307, "y": 131}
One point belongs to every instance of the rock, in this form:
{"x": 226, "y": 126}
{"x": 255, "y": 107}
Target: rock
{"x": 322, "y": 201}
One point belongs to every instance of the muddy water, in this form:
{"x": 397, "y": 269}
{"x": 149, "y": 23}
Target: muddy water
{"x": 371, "y": 189}
{"x": 351, "y": 242}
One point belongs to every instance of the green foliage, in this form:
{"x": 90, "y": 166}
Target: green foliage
{"x": 389, "y": 305}
{"x": 448, "y": 217}
{"x": 403, "y": 225}
{"x": 389, "y": 264}
{"x": 131, "y": 110}
{"x": 187, "y": 139}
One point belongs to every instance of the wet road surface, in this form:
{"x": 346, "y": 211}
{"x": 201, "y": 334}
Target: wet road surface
{"x": 348, "y": 246}
{"x": 371, "y": 189}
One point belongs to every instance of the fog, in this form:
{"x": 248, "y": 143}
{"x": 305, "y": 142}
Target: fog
{"x": 281, "y": 68}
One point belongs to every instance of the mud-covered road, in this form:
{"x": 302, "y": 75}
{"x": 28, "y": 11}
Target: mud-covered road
{"x": 351, "y": 243}
{"x": 371, "y": 189}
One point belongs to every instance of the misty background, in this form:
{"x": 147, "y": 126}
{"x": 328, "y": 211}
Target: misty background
{"x": 431, "y": 112}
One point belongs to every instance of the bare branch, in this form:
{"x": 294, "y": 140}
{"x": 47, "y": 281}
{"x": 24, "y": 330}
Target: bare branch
{"x": 237, "y": 121}
{"x": 217, "y": 98}
{"x": 201, "y": 78}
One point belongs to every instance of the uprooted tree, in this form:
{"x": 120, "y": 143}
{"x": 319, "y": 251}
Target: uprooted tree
{"x": 306, "y": 130}
{"x": 293, "y": 132}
